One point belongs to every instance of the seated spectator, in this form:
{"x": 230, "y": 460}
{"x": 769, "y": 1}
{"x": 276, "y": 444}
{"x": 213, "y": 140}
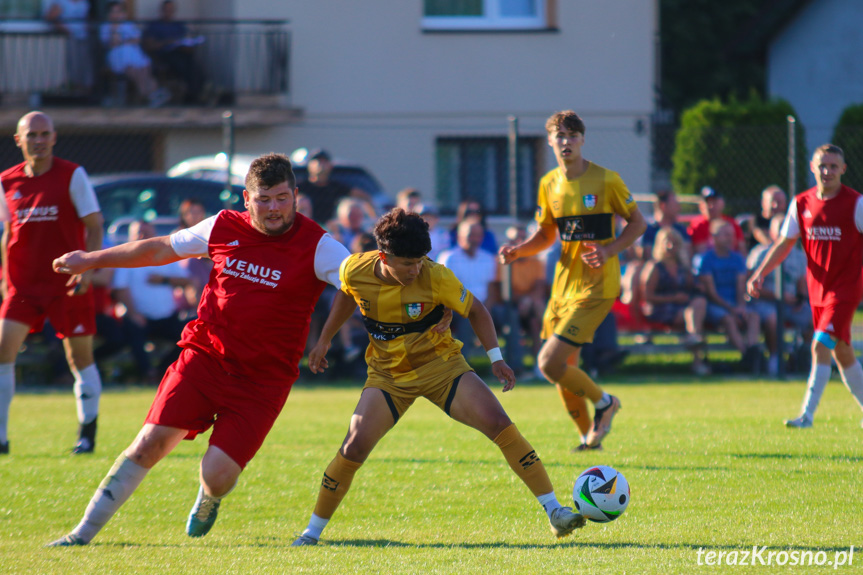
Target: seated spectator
{"x": 796, "y": 310}
{"x": 711, "y": 206}
{"x": 466, "y": 209}
{"x": 475, "y": 267}
{"x": 668, "y": 293}
{"x": 440, "y": 238}
{"x": 773, "y": 202}
{"x": 192, "y": 212}
{"x": 721, "y": 274}
{"x": 151, "y": 310}
{"x": 125, "y": 56}
{"x": 410, "y": 200}
{"x": 172, "y": 48}
{"x": 325, "y": 192}
{"x": 70, "y": 17}
{"x": 304, "y": 205}
{"x": 350, "y": 221}
{"x": 666, "y": 210}
{"x": 529, "y": 296}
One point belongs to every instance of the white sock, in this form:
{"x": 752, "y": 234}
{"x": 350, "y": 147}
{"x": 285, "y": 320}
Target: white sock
{"x": 88, "y": 390}
{"x": 7, "y": 391}
{"x": 549, "y": 502}
{"x": 853, "y": 379}
{"x": 603, "y": 402}
{"x": 316, "y": 526}
{"x": 123, "y": 478}
{"x": 818, "y": 378}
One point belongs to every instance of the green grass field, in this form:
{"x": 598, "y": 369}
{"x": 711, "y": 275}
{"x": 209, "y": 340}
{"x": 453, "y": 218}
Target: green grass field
{"x": 710, "y": 466}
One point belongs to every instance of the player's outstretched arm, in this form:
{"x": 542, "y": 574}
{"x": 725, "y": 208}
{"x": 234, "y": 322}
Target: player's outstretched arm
{"x": 143, "y": 253}
{"x": 483, "y": 327}
{"x": 540, "y": 240}
{"x": 343, "y": 308}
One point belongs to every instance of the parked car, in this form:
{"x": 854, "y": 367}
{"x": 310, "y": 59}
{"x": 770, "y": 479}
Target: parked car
{"x": 156, "y": 198}
{"x": 215, "y": 168}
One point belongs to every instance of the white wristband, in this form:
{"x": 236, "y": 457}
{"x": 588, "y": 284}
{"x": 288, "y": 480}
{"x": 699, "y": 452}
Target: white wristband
{"x": 494, "y": 354}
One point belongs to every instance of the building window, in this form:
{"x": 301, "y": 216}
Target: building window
{"x": 478, "y": 168}
{"x": 484, "y": 14}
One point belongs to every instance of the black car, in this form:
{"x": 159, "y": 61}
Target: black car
{"x": 156, "y": 198}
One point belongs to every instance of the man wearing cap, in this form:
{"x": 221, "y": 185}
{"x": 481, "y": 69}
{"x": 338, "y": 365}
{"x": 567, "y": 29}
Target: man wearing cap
{"x": 711, "y": 206}
{"x": 324, "y": 192}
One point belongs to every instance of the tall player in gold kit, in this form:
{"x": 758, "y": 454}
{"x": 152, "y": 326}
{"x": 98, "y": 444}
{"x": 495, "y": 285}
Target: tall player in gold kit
{"x": 401, "y": 294}
{"x": 578, "y": 201}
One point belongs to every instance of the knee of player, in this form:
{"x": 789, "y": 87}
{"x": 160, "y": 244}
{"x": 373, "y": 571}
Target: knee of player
{"x": 551, "y": 368}
{"x": 354, "y": 449}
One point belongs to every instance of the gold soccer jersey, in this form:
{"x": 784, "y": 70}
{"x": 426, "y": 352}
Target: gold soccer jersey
{"x": 583, "y": 209}
{"x": 404, "y": 352}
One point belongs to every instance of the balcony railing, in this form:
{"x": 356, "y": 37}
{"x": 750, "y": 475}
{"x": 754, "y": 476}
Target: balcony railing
{"x": 231, "y": 59}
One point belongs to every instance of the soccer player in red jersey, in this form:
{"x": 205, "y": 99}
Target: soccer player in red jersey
{"x": 241, "y": 355}
{"x": 829, "y": 221}
{"x": 49, "y": 208}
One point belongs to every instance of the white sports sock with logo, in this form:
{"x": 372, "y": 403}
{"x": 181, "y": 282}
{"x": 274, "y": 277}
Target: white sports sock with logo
{"x": 88, "y": 390}
{"x": 853, "y": 379}
{"x": 316, "y": 526}
{"x": 549, "y": 502}
{"x": 7, "y": 391}
{"x": 123, "y": 478}
{"x": 819, "y": 375}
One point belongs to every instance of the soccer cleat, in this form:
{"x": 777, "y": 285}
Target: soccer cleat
{"x": 4, "y": 448}
{"x": 304, "y": 539}
{"x": 602, "y": 422}
{"x": 86, "y": 438}
{"x": 563, "y": 521}
{"x": 203, "y": 515}
{"x": 70, "y": 540}
{"x": 586, "y": 447}
{"x": 801, "y": 422}
{"x": 83, "y": 445}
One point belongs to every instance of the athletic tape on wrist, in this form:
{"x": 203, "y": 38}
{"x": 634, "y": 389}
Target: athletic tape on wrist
{"x": 494, "y": 354}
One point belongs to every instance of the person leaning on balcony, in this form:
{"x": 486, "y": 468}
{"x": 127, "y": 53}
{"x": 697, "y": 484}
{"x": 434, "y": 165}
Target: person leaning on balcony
{"x": 69, "y": 17}
{"x": 169, "y": 44}
{"x": 125, "y": 56}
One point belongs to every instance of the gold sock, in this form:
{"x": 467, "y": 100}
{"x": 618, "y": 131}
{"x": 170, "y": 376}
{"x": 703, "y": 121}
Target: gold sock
{"x": 577, "y": 408}
{"x": 523, "y": 460}
{"x": 578, "y": 382}
{"x": 337, "y": 480}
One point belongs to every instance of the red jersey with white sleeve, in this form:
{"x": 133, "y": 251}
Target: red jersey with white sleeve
{"x": 832, "y": 234}
{"x": 44, "y": 218}
{"x": 256, "y": 308}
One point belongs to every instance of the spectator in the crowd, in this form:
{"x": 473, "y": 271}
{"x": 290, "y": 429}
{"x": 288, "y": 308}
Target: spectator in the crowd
{"x": 721, "y": 273}
{"x": 325, "y": 192}
{"x": 475, "y": 267}
{"x": 147, "y": 293}
{"x": 304, "y": 206}
{"x": 466, "y": 209}
{"x": 668, "y": 293}
{"x": 440, "y": 238}
{"x": 666, "y": 210}
{"x": 349, "y": 222}
{"x": 410, "y": 200}
{"x": 529, "y": 296}
{"x": 70, "y": 17}
{"x": 796, "y": 309}
{"x": 122, "y": 39}
{"x": 711, "y": 206}
{"x": 172, "y": 48}
{"x": 192, "y": 211}
{"x": 773, "y": 201}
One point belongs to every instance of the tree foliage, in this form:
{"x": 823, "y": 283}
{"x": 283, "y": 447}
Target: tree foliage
{"x": 848, "y": 135}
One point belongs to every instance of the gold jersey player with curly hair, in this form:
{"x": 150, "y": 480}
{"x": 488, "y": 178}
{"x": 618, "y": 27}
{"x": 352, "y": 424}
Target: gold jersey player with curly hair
{"x": 578, "y": 201}
{"x": 401, "y": 294}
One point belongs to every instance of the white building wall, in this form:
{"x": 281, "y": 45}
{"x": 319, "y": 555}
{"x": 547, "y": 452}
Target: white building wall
{"x": 815, "y": 64}
{"x": 376, "y": 89}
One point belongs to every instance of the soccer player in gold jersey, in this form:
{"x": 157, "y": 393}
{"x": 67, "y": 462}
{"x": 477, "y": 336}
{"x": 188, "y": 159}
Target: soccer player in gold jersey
{"x": 401, "y": 294}
{"x": 578, "y": 201}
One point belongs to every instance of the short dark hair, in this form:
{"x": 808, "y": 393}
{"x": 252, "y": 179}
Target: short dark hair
{"x": 566, "y": 119}
{"x": 403, "y": 234}
{"x": 829, "y": 149}
{"x": 662, "y": 196}
{"x": 270, "y": 170}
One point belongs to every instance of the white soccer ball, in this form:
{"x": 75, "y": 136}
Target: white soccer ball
{"x": 601, "y": 494}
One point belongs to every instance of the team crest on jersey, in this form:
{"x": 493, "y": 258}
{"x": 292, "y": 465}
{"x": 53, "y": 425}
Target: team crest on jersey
{"x": 414, "y": 310}
{"x": 590, "y": 201}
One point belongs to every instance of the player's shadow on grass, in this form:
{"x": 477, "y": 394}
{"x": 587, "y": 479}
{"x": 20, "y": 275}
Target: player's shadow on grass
{"x": 846, "y": 458}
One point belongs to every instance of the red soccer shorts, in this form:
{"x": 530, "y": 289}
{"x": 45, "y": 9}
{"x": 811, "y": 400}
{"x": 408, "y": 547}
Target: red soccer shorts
{"x": 197, "y": 393}
{"x": 70, "y": 316}
{"x": 834, "y": 319}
